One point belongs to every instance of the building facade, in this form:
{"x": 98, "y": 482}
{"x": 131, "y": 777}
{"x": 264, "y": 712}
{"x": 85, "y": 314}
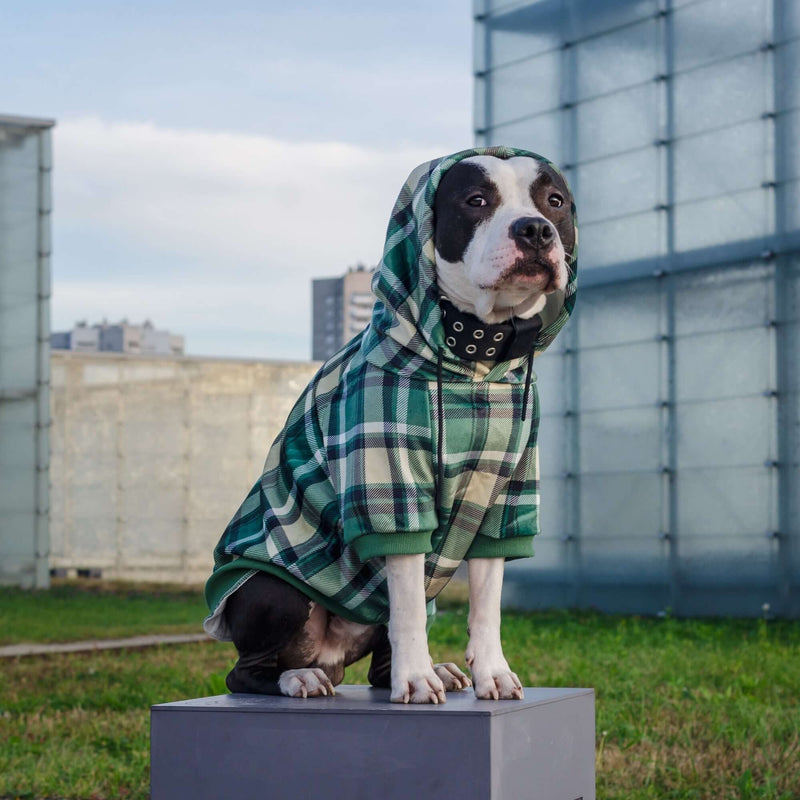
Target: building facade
{"x": 120, "y": 337}
{"x": 25, "y": 167}
{"x": 670, "y": 438}
{"x": 341, "y": 308}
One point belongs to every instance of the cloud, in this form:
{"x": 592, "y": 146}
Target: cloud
{"x": 213, "y": 231}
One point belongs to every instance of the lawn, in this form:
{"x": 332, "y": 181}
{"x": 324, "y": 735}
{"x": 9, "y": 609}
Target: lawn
{"x": 686, "y": 709}
{"x": 75, "y": 610}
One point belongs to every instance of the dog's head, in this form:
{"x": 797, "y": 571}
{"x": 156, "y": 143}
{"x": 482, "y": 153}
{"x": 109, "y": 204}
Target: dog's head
{"x": 504, "y": 232}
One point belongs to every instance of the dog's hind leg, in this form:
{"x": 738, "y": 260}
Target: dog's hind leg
{"x": 266, "y": 617}
{"x": 380, "y": 668}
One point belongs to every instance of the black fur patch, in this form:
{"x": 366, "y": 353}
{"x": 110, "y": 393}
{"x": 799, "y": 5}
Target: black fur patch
{"x": 454, "y": 218}
{"x": 548, "y": 182}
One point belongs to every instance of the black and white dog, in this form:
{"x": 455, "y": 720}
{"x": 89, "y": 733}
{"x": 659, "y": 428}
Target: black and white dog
{"x": 503, "y": 232}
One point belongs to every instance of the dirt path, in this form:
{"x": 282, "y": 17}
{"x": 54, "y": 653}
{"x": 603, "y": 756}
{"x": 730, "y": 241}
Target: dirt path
{"x": 30, "y": 649}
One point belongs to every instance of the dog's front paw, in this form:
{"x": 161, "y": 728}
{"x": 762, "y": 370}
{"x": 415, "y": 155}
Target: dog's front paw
{"x": 499, "y": 684}
{"x": 452, "y": 677}
{"x": 422, "y": 686}
{"x": 310, "y": 682}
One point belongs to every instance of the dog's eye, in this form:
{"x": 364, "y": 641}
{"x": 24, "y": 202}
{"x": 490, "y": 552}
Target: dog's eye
{"x": 476, "y": 200}
{"x": 556, "y": 200}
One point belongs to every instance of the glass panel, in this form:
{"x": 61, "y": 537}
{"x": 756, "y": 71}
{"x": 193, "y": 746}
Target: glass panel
{"x": 551, "y": 555}
{"x": 620, "y": 240}
{"x": 715, "y": 29}
{"x": 588, "y": 17}
{"x": 725, "y": 433}
{"x": 524, "y": 89}
{"x": 724, "y": 502}
{"x": 19, "y": 215}
{"x": 789, "y": 18}
{"x": 616, "y": 187}
{"x": 620, "y": 376}
{"x": 479, "y": 89}
{"x": 621, "y": 505}
{"x": 744, "y": 215}
{"x": 617, "y": 123}
{"x": 716, "y": 300}
{"x": 622, "y": 58}
{"x": 524, "y": 32}
{"x": 731, "y": 364}
{"x": 17, "y": 425}
{"x": 731, "y": 92}
{"x": 625, "y": 560}
{"x": 18, "y": 364}
{"x": 734, "y": 560}
{"x": 792, "y": 200}
{"x": 551, "y": 381}
{"x": 543, "y": 134}
{"x": 553, "y": 510}
{"x": 620, "y": 441}
{"x": 721, "y": 162}
{"x": 792, "y": 136}
{"x": 553, "y": 446}
{"x": 626, "y": 312}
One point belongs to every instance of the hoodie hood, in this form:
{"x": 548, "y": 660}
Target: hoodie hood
{"x": 406, "y": 334}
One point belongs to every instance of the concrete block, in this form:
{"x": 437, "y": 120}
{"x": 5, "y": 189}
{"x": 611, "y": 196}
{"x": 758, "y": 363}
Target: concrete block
{"x": 359, "y": 746}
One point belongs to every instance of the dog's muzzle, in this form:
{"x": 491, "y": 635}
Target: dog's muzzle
{"x": 533, "y": 234}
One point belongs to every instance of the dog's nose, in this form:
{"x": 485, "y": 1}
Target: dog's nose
{"x": 534, "y": 233}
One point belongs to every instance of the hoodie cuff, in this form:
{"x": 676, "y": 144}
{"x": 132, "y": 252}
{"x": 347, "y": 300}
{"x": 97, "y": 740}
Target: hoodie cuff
{"x": 371, "y": 545}
{"x": 489, "y": 547}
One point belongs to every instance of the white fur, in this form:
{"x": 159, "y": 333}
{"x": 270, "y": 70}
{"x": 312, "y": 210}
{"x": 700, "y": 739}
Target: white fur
{"x": 413, "y": 677}
{"x": 479, "y": 283}
{"x": 308, "y": 682}
{"x": 491, "y": 674}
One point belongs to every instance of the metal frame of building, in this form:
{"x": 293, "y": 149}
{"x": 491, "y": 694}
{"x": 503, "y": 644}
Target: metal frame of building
{"x": 574, "y": 574}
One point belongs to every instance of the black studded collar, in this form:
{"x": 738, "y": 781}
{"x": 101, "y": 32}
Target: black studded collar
{"x": 470, "y": 338}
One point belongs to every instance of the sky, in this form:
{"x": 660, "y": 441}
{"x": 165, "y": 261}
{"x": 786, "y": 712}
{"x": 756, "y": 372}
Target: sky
{"x": 210, "y": 159}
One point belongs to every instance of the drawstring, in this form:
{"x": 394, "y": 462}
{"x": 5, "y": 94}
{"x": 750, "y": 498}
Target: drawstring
{"x": 440, "y": 438}
{"x": 527, "y": 386}
{"x": 528, "y": 374}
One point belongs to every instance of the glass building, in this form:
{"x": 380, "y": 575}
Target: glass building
{"x": 670, "y": 434}
{"x": 25, "y": 165}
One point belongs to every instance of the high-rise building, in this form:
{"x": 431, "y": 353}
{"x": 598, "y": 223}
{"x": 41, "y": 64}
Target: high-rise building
{"x": 341, "y": 308}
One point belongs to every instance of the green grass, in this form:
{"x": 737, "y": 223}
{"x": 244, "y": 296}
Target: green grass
{"x": 75, "y": 610}
{"x": 686, "y": 709}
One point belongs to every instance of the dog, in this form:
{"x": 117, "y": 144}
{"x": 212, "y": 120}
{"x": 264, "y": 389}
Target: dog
{"x": 413, "y": 448}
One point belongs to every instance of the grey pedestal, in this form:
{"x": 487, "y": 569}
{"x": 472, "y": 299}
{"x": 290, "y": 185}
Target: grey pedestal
{"x": 359, "y": 746}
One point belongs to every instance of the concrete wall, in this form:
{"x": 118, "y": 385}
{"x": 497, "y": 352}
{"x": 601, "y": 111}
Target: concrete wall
{"x": 151, "y": 456}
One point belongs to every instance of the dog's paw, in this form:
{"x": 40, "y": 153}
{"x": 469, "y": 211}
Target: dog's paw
{"x": 310, "y": 682}
{"x": 424, "y": 686}
{"x": 497, "y": 685}
{"x": 452, "y": 677}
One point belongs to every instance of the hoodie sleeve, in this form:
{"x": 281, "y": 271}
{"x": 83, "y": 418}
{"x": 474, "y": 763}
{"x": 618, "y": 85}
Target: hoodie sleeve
{"x": 508, "y": 528}
{"x": 381, "y": 459}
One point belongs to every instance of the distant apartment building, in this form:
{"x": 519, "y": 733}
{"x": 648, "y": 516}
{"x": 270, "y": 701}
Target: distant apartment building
{"x": 341, "y": 308}
{"x": 119, "y": 337}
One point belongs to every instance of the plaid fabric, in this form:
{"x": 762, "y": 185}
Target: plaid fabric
{"x": 352, "y": 476}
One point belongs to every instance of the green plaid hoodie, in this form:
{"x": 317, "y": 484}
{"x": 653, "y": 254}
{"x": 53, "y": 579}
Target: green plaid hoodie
{"x": 353, "y": 476}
